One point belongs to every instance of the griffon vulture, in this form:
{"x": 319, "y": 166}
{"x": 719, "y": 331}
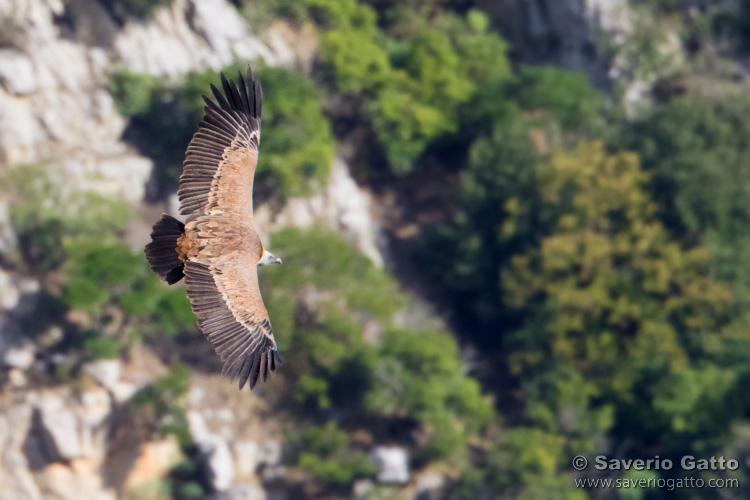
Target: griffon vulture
{"x": 218, "y": 250}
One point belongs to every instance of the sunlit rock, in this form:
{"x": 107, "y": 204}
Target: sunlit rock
{"x": 247, "y": 457}
{"x": 189, "y": 35}
{"x": 215, "y": 451}
{"x": 153, "y": 462}
{"x": 58, "y": 428}
{"x": 244, "y": 492}
{"x": 79, "y": 479}
{"x": 428, "y": 486}
{"x": 392, "y": 463}
{"x": 17, "y": 72}
{"x": 106, "y": 371}
{"x": 342, "y": 206}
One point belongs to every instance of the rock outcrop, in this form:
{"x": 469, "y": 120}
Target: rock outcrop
{"x": 52, "y": 444}
{"x": 342, "y": 206}
{"x": 563, "y": 32}
{"x": 392, "y": 463}
{"x": 18, "y": 298}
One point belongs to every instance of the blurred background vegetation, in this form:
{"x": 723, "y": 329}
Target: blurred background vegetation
{"x": 596, "y": 259}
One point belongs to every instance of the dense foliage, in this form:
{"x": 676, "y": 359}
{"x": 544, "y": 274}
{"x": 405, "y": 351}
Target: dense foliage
{"x": 413, "y": 77}
{"x": 697, "y": 151}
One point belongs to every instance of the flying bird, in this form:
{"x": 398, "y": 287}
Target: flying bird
{"x": 217, "y": 250}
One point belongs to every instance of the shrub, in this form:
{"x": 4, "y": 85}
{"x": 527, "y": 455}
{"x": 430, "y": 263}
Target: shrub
{"x": 412, "y": 84}
{"x": 297, "y": 144}
{"x": 50, "y": 219}
{"x": 419, "y": 374}
{"x": 102, "y": 276}
{"x": 132, "y": 91}
{"x": 261, "y": 14}
{"x": 324, "y": 452}
{"x": 97, "y": 347}
{"x": 565, "y": 95}
{"x": 467, "y": 254}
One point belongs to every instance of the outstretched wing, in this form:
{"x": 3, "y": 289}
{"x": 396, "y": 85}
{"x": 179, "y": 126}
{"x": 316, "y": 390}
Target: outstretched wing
{"x": 219, "y": 167}
{"x": 226, "y": 299}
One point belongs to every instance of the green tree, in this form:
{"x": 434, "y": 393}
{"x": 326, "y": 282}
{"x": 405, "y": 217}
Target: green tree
{"x": 618, "y": 314}
{"x": 412, "y": 81}
{"x": 696, "y": 150}
{"x": 420, "y": 374}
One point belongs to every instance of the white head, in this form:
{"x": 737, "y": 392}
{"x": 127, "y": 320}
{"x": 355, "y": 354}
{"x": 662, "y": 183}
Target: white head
{"x": 267, "y": 258}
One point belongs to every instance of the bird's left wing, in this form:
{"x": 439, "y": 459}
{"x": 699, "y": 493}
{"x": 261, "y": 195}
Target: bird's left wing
{"x": 219, "y": 167}
{"x": 226, "y": 299}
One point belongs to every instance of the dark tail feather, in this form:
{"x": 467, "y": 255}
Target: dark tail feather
{"x": 162, "y": 251}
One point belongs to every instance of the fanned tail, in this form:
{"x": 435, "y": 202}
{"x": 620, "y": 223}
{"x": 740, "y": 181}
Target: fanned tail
{"x": 162, "y": 251}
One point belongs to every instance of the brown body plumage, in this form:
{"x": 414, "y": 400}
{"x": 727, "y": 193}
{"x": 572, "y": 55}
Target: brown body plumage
{"x": 218, "y": 249}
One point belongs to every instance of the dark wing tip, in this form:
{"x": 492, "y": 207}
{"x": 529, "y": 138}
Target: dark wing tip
{"x": 211, "y": 104}
{"x": 257, "y": 367}
{"x": 238, "y": 96}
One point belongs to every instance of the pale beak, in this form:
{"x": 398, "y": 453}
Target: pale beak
{"x": 277, "y": 261}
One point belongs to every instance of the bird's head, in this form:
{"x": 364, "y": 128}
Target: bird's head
{"x": 268, "y": 258}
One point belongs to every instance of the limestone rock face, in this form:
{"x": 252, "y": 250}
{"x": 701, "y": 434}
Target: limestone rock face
{"x": 52, "y": 444}
{"x": 248, "y": 457}
{"x": 153, "y": 461}
{"x": 562, "y": 32}
{"x": 428, "y": 486}
{"x": 17, "y": 72}
{"x": 71, "y": 428}
{"x": 244, "y": 492}
{"x": 54, "y": 103}
{"x": 392, "y": 463}
{"x": 18, "y": 295}
{"x": 342, "y": 206}
{"x": 74, "y": 481}
{"x": 107, "y": 372}
{"x": 215, "y": 449}
{"x": 188, "y": 36}
{"x": 15, "y": 474}
{"x": 54, "y": 106}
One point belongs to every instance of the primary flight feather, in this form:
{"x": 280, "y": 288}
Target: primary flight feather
{"x": 217, "y": 250}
